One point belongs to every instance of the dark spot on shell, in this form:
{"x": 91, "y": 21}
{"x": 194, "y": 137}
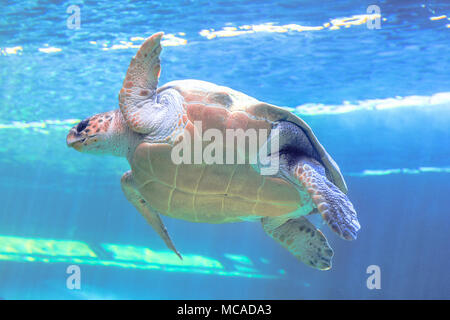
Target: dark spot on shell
{"x": 97, "y": 131}
{"x": 222, "y": 98}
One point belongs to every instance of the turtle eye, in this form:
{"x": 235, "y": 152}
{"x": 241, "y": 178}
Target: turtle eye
{"x": 82, "y": 125}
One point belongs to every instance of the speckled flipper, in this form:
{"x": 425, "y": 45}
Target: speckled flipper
{"x": 335, "y": 207}
{"x": 158, "y": 115}
{"x": 302, "y": 239}
{"x": 152, "y": 217}
{"x": 139, "y": 86}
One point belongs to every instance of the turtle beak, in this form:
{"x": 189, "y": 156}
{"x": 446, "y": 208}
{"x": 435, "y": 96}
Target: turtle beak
{"x": 74, "y": 139}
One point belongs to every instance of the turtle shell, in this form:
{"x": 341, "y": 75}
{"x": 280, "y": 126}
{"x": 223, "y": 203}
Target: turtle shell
{"x": 226, "y": 191}
{"x": 213, "y": 193}
{"x": 199, "y": 93}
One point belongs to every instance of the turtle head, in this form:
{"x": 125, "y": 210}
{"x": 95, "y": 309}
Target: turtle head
{"x": 102, "y": 133}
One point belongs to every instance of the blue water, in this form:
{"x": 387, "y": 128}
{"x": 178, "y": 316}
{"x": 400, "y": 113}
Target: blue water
{"x": 377, "y": 99}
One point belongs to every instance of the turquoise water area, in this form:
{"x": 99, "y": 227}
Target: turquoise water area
{"x": 377, "y": 99}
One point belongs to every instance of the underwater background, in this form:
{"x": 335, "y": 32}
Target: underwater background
{"x": 378, "y": 99}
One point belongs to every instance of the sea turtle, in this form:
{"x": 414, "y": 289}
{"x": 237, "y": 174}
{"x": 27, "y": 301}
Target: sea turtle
{"x": 152, "y": 122}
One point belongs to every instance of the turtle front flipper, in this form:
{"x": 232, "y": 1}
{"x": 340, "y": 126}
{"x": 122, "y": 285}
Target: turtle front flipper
{"x": 302, "y": 239}
{"x": 143, "y": 109}
{"x": 152, "y": 217}
{"x": 335, "y": 207}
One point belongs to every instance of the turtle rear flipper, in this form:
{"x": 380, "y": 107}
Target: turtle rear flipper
{"x": 334, "y": 206}
{"x": 302, "y": 239}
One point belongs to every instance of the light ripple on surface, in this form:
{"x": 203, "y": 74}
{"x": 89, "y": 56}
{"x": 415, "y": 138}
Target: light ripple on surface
{"x": 441, "y": 98}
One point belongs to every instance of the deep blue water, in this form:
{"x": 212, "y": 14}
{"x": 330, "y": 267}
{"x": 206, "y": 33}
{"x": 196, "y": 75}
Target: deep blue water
{"x": 377, "y": 99}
